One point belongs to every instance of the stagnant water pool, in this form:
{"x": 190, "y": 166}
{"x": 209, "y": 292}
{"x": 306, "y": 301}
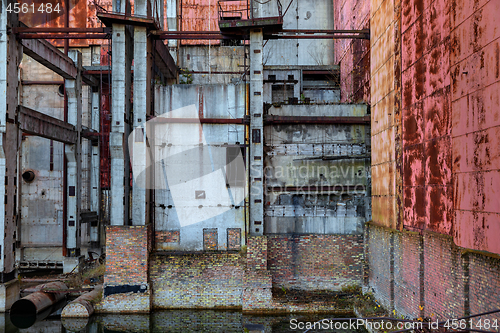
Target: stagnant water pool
{"x": 175, "y": 321}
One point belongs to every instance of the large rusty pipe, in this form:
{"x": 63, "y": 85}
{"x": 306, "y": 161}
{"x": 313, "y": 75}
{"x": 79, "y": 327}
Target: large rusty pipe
{"x": 83, "y": 306}
{"x": 43, "y": 296}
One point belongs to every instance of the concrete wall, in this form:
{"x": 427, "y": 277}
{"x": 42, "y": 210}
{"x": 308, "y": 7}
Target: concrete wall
{"x": 216, "y": 59}
{"x": 304, "y": 14}
{"x": 209, "y": 101}
{"x": 334, "y": 157}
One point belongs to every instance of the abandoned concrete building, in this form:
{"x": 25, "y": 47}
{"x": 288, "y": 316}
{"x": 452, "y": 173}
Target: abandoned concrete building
{"x": 213, "y": 150}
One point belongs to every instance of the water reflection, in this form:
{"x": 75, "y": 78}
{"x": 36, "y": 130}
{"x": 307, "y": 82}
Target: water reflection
{"x": 169, "y": 321}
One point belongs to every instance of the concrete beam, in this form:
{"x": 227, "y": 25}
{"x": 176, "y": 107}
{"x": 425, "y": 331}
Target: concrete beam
{"x": 256, "y": 133}
{"x": 73, "y": 155}
{"x": 37, "y": 123}
{"x": 95, "y": 166}
{"x": 120, "y": 109}
{"x": 142, "y": 108}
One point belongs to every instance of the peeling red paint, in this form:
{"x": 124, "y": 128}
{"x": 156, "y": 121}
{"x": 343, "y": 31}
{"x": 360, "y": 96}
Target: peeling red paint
{"x": 353, "y": 56}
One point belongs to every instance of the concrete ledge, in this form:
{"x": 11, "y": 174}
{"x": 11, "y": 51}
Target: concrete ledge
{"x": 9, "y": 293}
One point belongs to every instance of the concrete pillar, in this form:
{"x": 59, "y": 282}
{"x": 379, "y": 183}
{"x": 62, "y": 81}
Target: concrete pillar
{"x": 120, "y": 109}
{"x": 73, "y": 155}
{"x": 142, "y": 106}
{"x": 10, "y": 58}
{"x": 95, "y": 188}
{"x": 256, "y": 134}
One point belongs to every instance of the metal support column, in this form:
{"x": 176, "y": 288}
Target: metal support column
{"x": 73, "y": 155}
{"x": 95, "y": 165}
{"x": 256, "y": 134}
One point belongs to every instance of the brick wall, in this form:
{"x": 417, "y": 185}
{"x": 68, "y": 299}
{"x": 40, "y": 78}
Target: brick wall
{"x": 484, "y": 285}
{"x": 430, "y": 275}
{"x": 126, "y": 255}
{"x": 408, "y": 264}
{"x": 198, "y": 280}
{"x": 443, "y": 277}
{"x": 315, "y": 262}
{"x": 379, "y": 258}
{"x": 353, "y": 55}
{"x": 257, "y": 252}
{"x": 126, "y": 280}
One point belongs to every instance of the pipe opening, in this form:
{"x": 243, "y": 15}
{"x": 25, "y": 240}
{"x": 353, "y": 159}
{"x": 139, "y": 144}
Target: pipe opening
{"x": 23, "y": 307}
{"x": 28, "y": 176}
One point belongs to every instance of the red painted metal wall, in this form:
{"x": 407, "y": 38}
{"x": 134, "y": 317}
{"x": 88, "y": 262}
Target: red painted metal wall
{"x": 451, "y": 119}
{"x": 427, "y": 176}
{"x": 353, "y": 56}
{"x": 202, "y": 15}
{"x": 475, "y": 134}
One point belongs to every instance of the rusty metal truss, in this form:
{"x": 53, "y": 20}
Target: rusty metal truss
{"x": 36, "y": 123}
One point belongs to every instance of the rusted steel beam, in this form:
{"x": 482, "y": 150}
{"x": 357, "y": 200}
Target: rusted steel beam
{"x": 215, "y": 72}
{"x": 37, "y": 123}
{"x": 91, "y": 135}
{"x": 161, "y": 120}
{"x": 90, "y": 80}
{"x": 49, "y": 56}
{"x": 336, "y": 36}
{"x": 271, "y": 119}
{"x": 25, "y": 30}
{"x": 200, "y": 35}
{"x": 217, "y": 35}
{"x": 164, "y": 60}
{"x": 328, "y": 32}
{"x": 305, "y": 188}
{"x": 29, "y": 82}
{"x": 141, "y": 21}
{"x": 25, "y": 36}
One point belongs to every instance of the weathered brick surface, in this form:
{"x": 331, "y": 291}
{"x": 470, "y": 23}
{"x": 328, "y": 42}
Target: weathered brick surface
{"x": 126, "y": 255}
{"x": 257, "y": 291}
{"x": 210, "y": 241}
{"x": 257, "y": 252}
{"x": 407, "y": 271}
{"x": 443, "y": 277}
{"x": 315, "y": 262}
{"x": 126, "y": 303}
{"x": 169, "y": 236}
{"x": 432, "y": 277}
{"x": 234, "y": 239}
{"x": 201, "y": 280}
{"x": 379, "y": 258}
{"x": 484, "y": 285}
{"x": 127, "y": 258}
